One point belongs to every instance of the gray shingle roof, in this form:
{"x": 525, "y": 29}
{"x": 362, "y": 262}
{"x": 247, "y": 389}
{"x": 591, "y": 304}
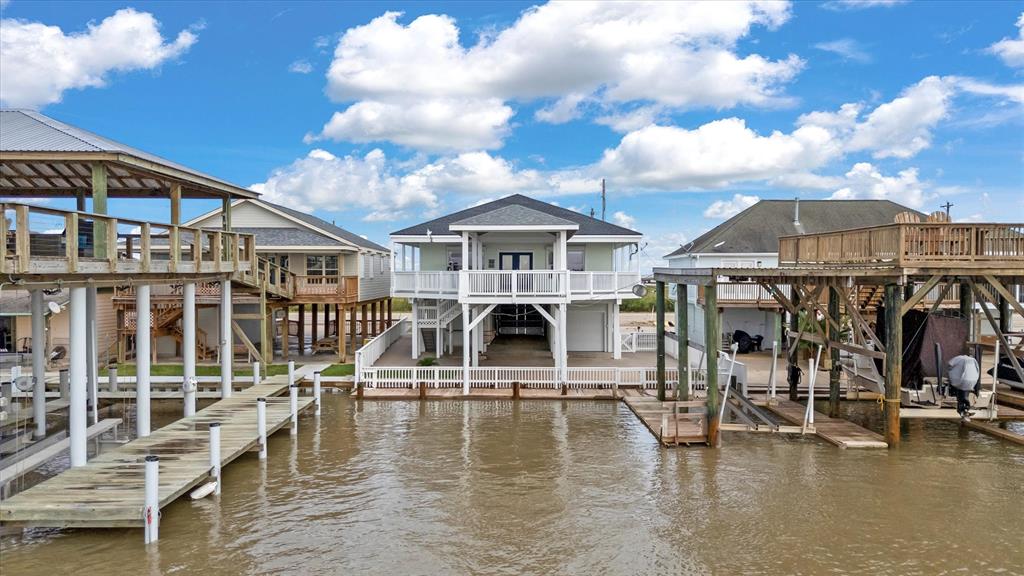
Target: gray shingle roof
{"x": 287, "y": 237}
{"x": 757, "y": 229}
{"x": 588, "y": 226}
{"x": 30, "y": 131}
{"x": 514, "y": 215}
{"x": 327, "y": 227}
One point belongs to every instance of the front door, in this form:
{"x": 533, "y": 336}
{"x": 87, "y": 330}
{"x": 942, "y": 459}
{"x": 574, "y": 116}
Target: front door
{"x": 516, "y": 261}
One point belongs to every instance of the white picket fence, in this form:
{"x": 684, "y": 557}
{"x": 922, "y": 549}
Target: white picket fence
{"x": 374, "y": 349}
{"x": 504, "y": 377}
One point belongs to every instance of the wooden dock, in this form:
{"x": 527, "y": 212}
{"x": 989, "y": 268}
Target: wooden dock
{"x": 842, "y": 433}
{"x": 108, "y": 492}
{"x": 662, "y": 419}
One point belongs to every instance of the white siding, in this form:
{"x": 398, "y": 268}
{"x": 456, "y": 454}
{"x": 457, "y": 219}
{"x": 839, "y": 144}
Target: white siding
{"x": 374, "y": 276}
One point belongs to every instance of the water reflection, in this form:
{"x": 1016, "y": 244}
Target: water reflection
{"x": 446, "y": 487}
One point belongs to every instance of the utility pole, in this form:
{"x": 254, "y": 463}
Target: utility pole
{"x": 947, "y": 206}
{"x": 604, "y": 202}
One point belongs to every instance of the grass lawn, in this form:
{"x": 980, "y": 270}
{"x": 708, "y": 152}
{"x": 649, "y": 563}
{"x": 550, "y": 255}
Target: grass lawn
{"x": 646, "y": 304}
{"x": 204, "y": 370}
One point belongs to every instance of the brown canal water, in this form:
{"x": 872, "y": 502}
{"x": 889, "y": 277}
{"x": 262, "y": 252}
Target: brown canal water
{"x": 446, "y": 487}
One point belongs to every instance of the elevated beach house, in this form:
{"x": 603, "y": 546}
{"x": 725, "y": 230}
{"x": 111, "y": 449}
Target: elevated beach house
{"x": 512, "y": 283}
{"x": 750, "y": 239}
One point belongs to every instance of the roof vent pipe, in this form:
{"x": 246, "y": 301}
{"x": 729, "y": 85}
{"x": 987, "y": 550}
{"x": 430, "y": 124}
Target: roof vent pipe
{"x": 796, "y": 211}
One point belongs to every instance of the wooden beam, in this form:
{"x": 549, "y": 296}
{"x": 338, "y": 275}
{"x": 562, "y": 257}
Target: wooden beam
{"x": 1011, "y": 300}
{"x": 999, "y": 333}
{"x": 834, "y": 372}
{"x": 851, "y": 348}
{"x": 682, "y": 342}
{"x": 659, "y": 331}
{"x": 920, "y": 294}
{"x": 99, "y": 206}
{"x": 245, "y": 340}
{"x": 175, "y": 204}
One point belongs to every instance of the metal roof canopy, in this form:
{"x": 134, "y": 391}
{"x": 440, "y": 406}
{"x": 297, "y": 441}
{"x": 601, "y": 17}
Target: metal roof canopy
{"x": 43, "y": 158}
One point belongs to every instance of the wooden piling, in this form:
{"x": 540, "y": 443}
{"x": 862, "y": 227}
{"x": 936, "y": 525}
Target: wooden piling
{"x": 793, "y": 347}
{"x": 712, "y": 342}
{"x": 423, "y": 390}
{"x": 833, "y": 336}
{"x": 515, "y": 390}
{"x": 682, "y": 343}
{"x": 659, "y": 327}
{"x": 893, "y": 361}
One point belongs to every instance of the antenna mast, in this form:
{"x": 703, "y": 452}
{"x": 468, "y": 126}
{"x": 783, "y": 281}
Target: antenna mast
{"x": 947, "y": 206}
{"x": 604, "y": 202}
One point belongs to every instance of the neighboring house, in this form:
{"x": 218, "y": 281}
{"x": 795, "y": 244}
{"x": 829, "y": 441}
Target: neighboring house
{"x": 331, "y": 273}
{"x": 513, "y": 268}
{"x": 750, "y": 239}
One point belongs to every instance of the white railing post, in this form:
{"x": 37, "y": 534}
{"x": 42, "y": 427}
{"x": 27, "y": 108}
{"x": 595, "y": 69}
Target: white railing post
{"x": 215, "y": 454}
{"x": 261, "y": 426}
{"x": 255, "y": 373}
{"x": 151, "y": 509}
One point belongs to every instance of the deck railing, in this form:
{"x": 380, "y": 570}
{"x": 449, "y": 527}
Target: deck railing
{"x": 374, "y": 349}
{"x": 425, "y": 284}
{"x": 41, "y": 240}
{"x": 743, "y": 293}
{"x": 506, "y": 376}
{"x": 583, "y": 284}
{"x": 908, "y": 244}
{"x": 337, "y": 287}
{"x": 513, "y": 284}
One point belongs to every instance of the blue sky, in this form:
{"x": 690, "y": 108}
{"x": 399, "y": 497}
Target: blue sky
{"x": 379, "y": 115}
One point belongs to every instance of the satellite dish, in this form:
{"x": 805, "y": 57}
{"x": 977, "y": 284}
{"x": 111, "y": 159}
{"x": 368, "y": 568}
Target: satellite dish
{"x": 640, "y": 290}
{"x": 53, "y": 306}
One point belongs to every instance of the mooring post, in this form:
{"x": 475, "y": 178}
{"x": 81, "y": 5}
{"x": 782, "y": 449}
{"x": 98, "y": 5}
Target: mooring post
{"x": 255, "y": 373}
{"x": 215, "y": 454}
{"x": 423, "y": 390}
{"x": 261, "y": 426}
{"x": 515, "y": 390}
{"x": 967, "y": 308}
{"x": 64, "y": 383}
{"x": 293, "y": 403}
{"x": 712, "y": 342}
{"x": 682, "y": 342}
{"x": 894, "y": 361}
{"x": 316, "y": 390}
{"x": 151, "y": 509}
{"x": 291, "y": 372}
{"x": 833, "y": 336}
{"x": 188, "y": 391}
{"x": 112, "y": 383}
{"x": 659, "y": 335}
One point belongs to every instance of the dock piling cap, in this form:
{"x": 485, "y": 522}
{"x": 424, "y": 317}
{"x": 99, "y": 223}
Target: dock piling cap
{"x": 293, "y": 386}
{"x": 152, "y": 458}
{"x": 261, "y": 399}
{"x": 214, "y": 424}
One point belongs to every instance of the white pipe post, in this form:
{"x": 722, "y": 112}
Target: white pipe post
{"x": 995, "y": 381}
{"x": 225, "y": 339}
{"x": 293, "y": 404}
{"x": 188, "y": 340}
{"x": 291, "y": 372}
{"x": 775, "y": 360}
{"x": 92, "y": 351}
{"x": 76, "y": 408}
{"x": 255, "y": 373}
{"x": 188, "y": 393}
{"x": 465, "y": 347}
{"x": 316, "y": 392}
{"x": 143, "y": 331}
{"x": 261, "y": 426}
{"x": 38, "y": 364}
{"x": 151, "y": 510}
{"x": 813, "y": 366}
{"x": 415, "y": 330}
{"x": 563, "y": 346}
{"x": 215, "y": 454}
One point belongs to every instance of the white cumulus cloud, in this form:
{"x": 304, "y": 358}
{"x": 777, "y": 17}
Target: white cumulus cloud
{"x": 847, "y": 49}
{"x": 676, "y": 54}
{"x": 623, "y": 219}
{"x": 1011, "y": 50}
{"x": 729, "y": 208}
{"x": 300, "y": 67}
{"x": 41, "y": 62}
{"x": 865, "y": 181}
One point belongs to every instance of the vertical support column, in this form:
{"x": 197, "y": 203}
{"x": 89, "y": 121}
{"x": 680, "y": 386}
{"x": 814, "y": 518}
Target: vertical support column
{"x": 76, "y": 407}
{"x": 188, "y": 342}
{"x": 415, "y": 330}
{"x": 266, "y": 338}
{"x": 362, "y": 323}
{"x": 712, "y": 337}
{"x": 293, "y": 405}
{"x": 226, "y": 349}
{"x": 616, "y": 330}
{"x": 327, "y": 320}
{"x": 38, "y": 364}
{"x": 175, "y": 204}
{"x": 342, "y": 349}
{"x": 375, "y": 326}
{"x": 682, "y": 342}
{"x": 465, "y": 346}
{"x": 261, "y": 426}
{"x": 659, "y": 331}
{"x": 391, "y": 318}
{"x": 352, "y": 328}
{"x": 92, "y": 353}
{"x": 834, "y": 371}
{"x": 563, "y": 342}
{"x": 99, "y": 206}
{"x": 793, "y": 368}
{"x": 474, "y": 346}
{"x": 143, "y": 334}
{"x": 893, "y": 361}
{"x": 225, "y": 213}
{"x": 1005, "y": 316}
{"x": 302, "y": 329}
{"x": 967, "y": 308}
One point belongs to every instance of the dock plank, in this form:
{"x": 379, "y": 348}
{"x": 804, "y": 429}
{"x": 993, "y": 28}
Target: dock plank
{"x": 837, "y": 431}
{"x": 109, "y": 490}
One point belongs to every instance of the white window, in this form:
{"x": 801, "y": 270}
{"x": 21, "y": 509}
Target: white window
{"x": 576, "y": 258}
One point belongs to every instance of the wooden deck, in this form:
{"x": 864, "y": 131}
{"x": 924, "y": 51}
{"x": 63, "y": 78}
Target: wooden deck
{"x": 669, "y": 428}
{"x": 108, "y": 491}
{"x": 842, "y": 433}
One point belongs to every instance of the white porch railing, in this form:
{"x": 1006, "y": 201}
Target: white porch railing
{"x": 602, "y": 283}
{"x": 512, "y": 283}
{"x": 425, "y": 284}
{"x": 374, "y": 349}
{"x": 504, "y": 377}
